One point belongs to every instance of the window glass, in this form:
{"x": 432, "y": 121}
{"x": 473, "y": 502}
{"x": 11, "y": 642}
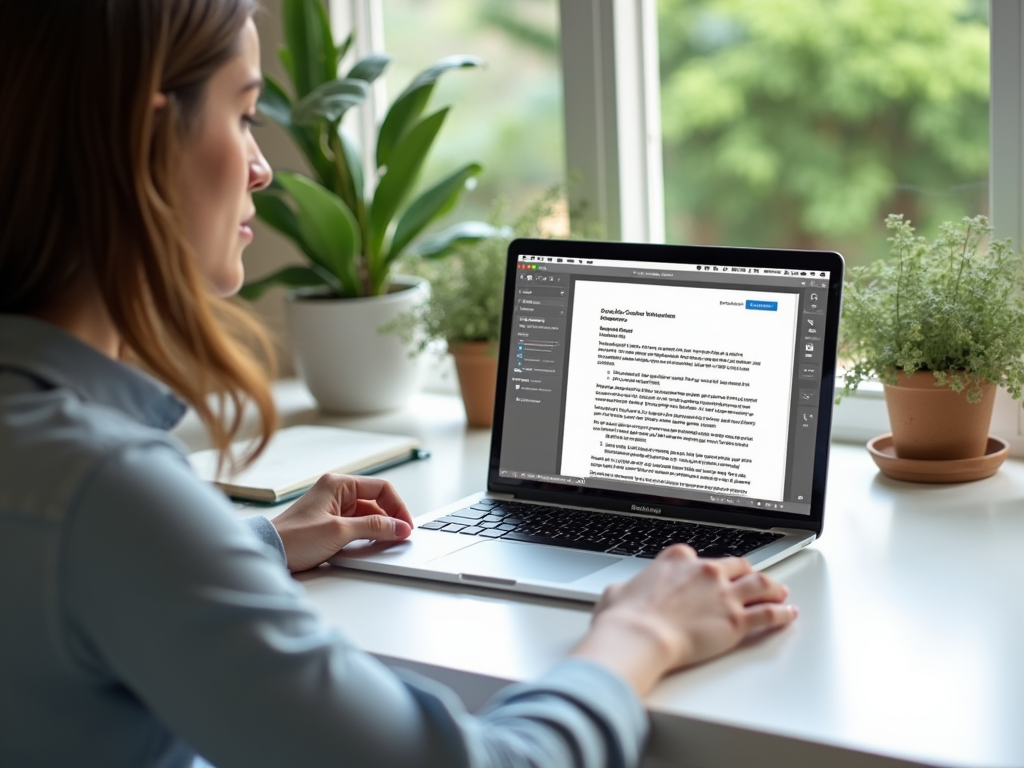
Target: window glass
{"x": 802, "y": 123}
{"x": 506, "y": 116}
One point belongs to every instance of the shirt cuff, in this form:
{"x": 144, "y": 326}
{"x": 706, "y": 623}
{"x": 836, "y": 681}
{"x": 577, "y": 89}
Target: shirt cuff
{"x": 267, "y": 533}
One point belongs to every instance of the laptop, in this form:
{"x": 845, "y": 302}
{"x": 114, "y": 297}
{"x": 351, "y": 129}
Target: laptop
{"x": 646, "y": 395}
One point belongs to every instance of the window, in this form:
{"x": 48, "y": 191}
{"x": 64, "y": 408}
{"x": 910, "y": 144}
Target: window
{"x": 802, "y": 123}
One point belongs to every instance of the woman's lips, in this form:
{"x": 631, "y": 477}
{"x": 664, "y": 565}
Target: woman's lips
{"x": 245, "y": 231}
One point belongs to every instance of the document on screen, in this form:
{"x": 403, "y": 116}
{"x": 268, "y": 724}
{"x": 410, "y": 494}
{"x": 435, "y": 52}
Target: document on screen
{"x": 682, "y": 387}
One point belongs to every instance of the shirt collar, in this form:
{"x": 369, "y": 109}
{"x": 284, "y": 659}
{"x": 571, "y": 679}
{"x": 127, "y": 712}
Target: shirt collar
{"x": 55, "y": 357}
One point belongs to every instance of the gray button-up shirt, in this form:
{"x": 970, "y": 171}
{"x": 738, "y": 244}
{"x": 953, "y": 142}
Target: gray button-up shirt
{"x": 141, "y": 622}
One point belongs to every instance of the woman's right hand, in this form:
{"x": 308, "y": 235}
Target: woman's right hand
{"x": 680, "y": 611}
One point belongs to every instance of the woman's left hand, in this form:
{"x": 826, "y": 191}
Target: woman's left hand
{"x": 337, "y": 510}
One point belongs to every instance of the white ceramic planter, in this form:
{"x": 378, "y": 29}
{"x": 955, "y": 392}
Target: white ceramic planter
{"x": 347, "y": 363}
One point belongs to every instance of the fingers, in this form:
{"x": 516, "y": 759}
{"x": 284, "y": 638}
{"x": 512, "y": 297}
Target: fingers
{"x": 350, "y": 489}
{"x": 759, "y": 588}
{"x": 735, "y": 567}
{"x": 375, "y": 527}
{"x": 765, "y": 616}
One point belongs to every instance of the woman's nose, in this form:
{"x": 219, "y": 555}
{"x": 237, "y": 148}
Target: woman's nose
{"x": 260, "y": 172}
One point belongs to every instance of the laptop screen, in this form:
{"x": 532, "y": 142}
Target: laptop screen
{"x": 696, "y": 375}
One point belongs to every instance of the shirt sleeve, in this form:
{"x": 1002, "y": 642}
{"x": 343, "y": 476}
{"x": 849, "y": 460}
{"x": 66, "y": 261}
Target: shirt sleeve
{"x": 177, "y": 601}
{"x": 267, "y": 533}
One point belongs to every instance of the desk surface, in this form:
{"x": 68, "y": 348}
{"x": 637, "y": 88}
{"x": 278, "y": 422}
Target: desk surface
{"x": 907, "y": 647}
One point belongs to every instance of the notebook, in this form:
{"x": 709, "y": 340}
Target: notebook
{"x": 647, "y": 395}
{"x": 297, "y": 456}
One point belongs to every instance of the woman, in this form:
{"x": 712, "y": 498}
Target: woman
{"x": 142, "y": 622}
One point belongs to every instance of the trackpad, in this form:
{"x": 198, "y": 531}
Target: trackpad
{"x": 523, "y": 562}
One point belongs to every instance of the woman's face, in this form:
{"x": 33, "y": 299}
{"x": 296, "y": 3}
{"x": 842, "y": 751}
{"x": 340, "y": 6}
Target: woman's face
{"x": 222, "y": 166}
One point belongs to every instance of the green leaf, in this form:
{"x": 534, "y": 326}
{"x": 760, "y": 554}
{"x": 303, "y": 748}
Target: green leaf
{"x": 274, "y": 102}
{"x": 429, "y": 206}
{"x": 369, "y": 68}
{"x": 289, "y": 277}
{"x": 307, "y": 34}
{"x": 411, "y": 103}
{"x": 441, "y": 244}
{"x": 329, "y": 101}
{"x": 349, "y": 164}
{"x": 287, "y": 61}
{"x": 275, "y": 212}
{"x": 328, "y": 229}
{"x": 342, "y": 49}
{"x": 396, "y": 184}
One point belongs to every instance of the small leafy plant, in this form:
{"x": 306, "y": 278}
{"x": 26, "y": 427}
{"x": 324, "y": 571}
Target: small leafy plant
{"x": 466, "y": 291}
{"x": 953, "y": 308}
{"x": 351, "y": 231}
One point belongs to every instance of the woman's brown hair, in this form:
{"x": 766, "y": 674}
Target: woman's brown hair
{"x": 86, "y": 186}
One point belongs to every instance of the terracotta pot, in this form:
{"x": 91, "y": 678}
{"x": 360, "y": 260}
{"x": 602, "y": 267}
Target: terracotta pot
{"x": 477, "y": 364}
{"x": 935, "y": 423}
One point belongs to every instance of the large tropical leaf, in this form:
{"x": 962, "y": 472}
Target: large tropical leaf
{"x": 287, "y": 61}
{"x": 342, "y": 48}
{"x": 396, "y": 184}
{"x": 370, "y": 67}
{"x": 289, "y": 277}
{"x": 410, "y": 104}
{"x": 329, "y": 101}
{"x": 328, "y": 229}
{"x": 441, "y": 244}
{"x": 274, "y": 102}
{"x": 348, "y": 164}
{"x": 275, "y": 212}
{"x": 429, "y": 206}
{"x": 307, "y": 35}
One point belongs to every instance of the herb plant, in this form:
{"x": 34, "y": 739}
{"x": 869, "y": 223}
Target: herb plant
{"x": 352, "y": 230}
{"x": 953, "y": 308}
{"x": 466, "y": 289}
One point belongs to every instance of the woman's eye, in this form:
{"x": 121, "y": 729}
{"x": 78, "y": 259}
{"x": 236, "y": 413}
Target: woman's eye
{"x": 251, "y": 121}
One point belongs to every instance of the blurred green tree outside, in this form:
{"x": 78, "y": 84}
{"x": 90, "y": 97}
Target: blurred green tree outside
{"x": 802, "y": 123}
{"x": 787, "y": 123}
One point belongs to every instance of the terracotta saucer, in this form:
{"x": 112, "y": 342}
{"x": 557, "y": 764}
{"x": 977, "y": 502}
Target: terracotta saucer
{"x": 954, "y": 471}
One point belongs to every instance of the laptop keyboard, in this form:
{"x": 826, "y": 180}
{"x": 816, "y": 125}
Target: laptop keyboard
{"x": 596, "y": 531}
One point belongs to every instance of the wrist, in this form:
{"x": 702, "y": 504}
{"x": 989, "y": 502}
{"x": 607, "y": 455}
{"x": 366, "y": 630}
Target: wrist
{"x": 636, "y": 649}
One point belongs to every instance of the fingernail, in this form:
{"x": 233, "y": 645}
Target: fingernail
{"x": 794, "y": 610}
{"x": 402, "y": 529}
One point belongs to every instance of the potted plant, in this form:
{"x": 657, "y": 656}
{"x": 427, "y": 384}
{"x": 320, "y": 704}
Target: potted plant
{"x": 352, "y": 230}
{"x": 463, "y": 309}
{"x": 942, "y": 325}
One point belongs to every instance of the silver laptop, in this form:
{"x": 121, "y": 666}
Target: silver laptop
{"x": 647, "y": 395}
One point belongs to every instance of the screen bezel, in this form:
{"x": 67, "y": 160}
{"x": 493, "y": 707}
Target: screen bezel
{"x": 671, "y": 507}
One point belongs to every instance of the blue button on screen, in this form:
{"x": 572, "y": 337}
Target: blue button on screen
{"x": 767, "y": 306}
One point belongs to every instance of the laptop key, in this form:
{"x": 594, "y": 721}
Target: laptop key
{"x": 472, "y": 530}
{"x": 434, "y": 526}
{"x": 471, "y": 514}
{"x": 492, "y": 533}
{"x": 453, "y": 528}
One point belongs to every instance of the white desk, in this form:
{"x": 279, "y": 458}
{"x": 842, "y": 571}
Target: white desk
{"x": 908, "y": 648}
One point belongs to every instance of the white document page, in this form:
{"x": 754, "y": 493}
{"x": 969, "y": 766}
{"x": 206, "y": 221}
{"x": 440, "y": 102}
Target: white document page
{"x": 681, "y": 387}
